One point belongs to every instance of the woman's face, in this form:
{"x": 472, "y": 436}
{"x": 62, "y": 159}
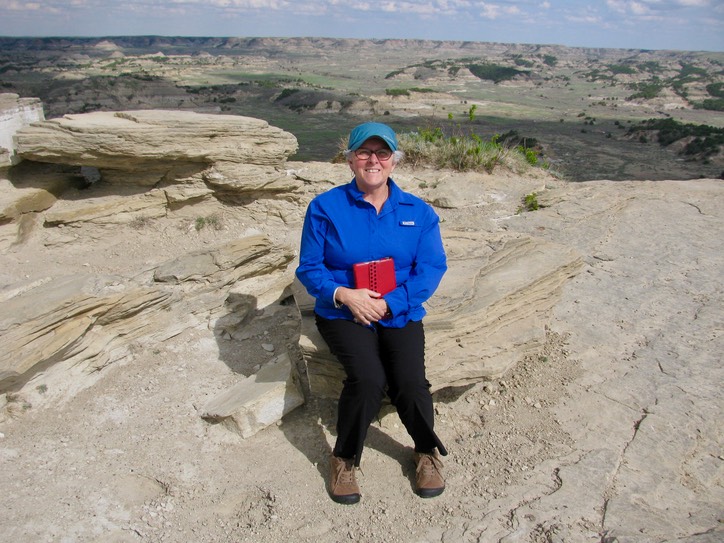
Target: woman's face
{"x": 371, "y": 173}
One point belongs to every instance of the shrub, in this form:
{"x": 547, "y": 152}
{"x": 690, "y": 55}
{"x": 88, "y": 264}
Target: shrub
{"x": 705, "y": 140}
{"x": 494, "y": 72}
{"x": 303, "y": 99}
{"x": 464, "y": 152}
{"x": 689, "y": 70}
{"x": 212, "y": 221}
{"x": 621, "y": 69}
{"x": 393, "y": 74}
{"x": 286, "y": 93}
{"x": 523, "y": 62}
{"x": 529, "y": 203}
{"x": 646, "y": 90}
{"x": 712, "y": 104}
{"x": 531, "y": 156}
{"x": 716, "y": 90}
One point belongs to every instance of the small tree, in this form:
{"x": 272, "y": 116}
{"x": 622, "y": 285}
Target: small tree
{"x": 471, "y": 112}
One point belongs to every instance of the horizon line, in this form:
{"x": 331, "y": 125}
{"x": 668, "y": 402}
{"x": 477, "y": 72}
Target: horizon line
{"x": 117, "y": 36}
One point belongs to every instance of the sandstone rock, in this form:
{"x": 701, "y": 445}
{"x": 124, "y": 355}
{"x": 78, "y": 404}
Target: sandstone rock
{"x": 225, "y": 264}
{"x": 319, "y": 175}
{"x": 488, "y": 313}
{"x": 644, "y": 324}
{"x": 180, "y": 195}
{"x": 231, "y": 179}
{"x": 110, "y": 209}
{"x": 15, "y": 113}
{"x": 156, "y": 145}
{"x": 477, "y": 190}
{"x": 86, "y": 322}
{"x": 258, "y": 401}
{"x": 78, "y": 320}
{"x": 15, "y": 201}
{"x": 491, "y": 308}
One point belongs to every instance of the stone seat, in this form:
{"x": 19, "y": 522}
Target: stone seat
{"x": 489, "y": 312}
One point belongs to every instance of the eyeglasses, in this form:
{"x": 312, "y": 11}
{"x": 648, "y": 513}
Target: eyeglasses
{"x": 364, "y": 154}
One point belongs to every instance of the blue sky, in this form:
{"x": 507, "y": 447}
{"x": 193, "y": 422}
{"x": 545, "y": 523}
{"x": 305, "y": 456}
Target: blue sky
{"x": 640, "y": 24}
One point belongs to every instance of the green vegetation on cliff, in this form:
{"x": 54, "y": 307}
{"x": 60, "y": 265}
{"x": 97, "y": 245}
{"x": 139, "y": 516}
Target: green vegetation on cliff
{"x": 701, "y": 140}
{"x": 430, "y": 146}
{"x": 494, "y": 72}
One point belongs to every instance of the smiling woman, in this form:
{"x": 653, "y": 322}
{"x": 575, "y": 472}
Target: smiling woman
{"x": 372, "y": 167}
{"x": 377, "y": 337}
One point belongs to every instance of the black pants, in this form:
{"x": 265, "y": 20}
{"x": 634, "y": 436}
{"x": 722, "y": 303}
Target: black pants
{"x": 378, "y": 359}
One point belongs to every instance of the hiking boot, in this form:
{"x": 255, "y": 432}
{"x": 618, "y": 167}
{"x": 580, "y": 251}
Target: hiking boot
{"x": 428, "y": 477}
{"x": 342, "y": 482}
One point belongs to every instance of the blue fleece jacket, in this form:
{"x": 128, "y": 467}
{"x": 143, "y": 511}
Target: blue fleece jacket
{"x": 341, "y": 229}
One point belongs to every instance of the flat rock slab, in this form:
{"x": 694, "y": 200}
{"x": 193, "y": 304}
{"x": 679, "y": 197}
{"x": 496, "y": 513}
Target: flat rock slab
{"x": 158, "y": 147}
{"x": 130, "y": 140}
{"x": 645, "y": 321}
{"x": 258, "y": 401}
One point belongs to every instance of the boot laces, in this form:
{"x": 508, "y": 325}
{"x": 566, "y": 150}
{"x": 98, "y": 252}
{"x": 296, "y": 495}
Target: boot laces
{"x": 428, "y": 465}
{"x": 345, "y": 474}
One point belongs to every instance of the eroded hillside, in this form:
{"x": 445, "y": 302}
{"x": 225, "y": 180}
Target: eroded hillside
{"x": 579, "y": 103}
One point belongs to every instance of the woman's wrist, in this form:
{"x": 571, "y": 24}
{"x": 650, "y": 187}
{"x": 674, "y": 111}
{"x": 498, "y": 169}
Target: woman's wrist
{"x": 335, "y": 299}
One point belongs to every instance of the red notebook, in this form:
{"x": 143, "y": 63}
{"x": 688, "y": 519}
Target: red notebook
{"x": 377, "y": 275}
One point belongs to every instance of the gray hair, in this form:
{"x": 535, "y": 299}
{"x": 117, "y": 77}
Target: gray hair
{"x": 397, "y": 156}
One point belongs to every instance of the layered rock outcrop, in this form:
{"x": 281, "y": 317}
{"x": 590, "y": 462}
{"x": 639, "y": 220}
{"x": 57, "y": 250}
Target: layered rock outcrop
{"x": 489, "y": 311}
{"x": 158, "y": 147}
{"x": 81, "y": 323}
{"x": 159, "y": 168}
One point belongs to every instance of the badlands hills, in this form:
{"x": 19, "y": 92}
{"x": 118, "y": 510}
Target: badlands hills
{"x": 582, "y": 106}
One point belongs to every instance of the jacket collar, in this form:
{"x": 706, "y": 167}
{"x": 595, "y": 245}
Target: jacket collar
{"x": 397, "y": 195}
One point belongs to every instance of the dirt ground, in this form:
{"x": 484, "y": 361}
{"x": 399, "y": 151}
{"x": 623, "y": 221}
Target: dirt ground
{"x": 131, "y": 460}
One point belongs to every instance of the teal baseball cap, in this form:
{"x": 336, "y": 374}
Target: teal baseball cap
{"x": 365, "y": 131}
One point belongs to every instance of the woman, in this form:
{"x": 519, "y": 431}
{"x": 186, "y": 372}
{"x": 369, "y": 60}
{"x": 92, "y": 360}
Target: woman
{"x": 377, "y": 337}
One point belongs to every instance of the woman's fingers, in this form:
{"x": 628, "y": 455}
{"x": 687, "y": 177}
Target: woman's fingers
{"x": 366, "y": 305}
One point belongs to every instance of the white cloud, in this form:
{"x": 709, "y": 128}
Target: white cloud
{"x": 23, "y": 6}
{"x": 274, "y": 5}
{"x": 586, "y": 19}
{"x": 618, "y": 6}
{"x": 494, "y": 11}
{"x": 637, "y": 8}
{"x": 693, "y": 3}
{"x": 439, "y": 7}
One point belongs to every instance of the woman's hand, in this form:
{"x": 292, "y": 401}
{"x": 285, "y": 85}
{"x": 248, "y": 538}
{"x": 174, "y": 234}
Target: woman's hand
{"x": 367, "y": 306}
